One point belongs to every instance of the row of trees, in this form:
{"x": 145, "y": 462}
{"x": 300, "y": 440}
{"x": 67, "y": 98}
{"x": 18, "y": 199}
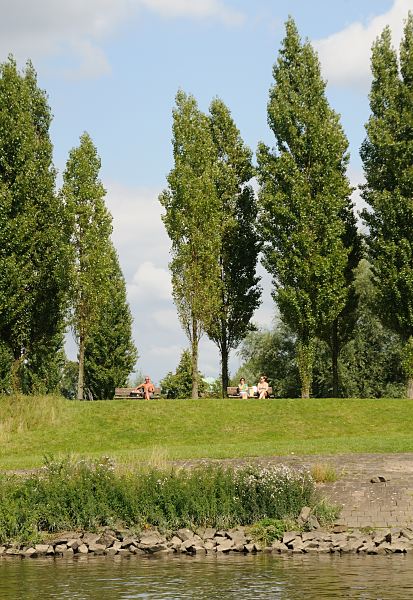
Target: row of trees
{"x": 58, "y": 267}
{"x": 306, "y": 225}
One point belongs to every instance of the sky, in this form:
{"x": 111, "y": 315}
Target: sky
{"x": 113, "y": 67}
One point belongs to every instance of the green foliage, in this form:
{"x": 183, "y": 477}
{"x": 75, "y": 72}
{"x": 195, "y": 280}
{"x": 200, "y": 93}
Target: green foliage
{"x": 192, "y": 221}
{"x": 68, "y": 379}
{"x": 91, "y": 226}
{"x": 268, "y": 530}
{"x": 369, "y": 363}
{"x": 179, "y": 384}
{"x": 110, "y": 353}
{"x": 304, "y": 195}
{"x": 87, "y": 494}
{"x": 239, "y": 244}
{"x": 33, "y": 231}
{"x": 386, "y": 154}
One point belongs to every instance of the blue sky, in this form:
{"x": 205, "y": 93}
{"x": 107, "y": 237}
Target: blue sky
{"x": 113, "y": 67}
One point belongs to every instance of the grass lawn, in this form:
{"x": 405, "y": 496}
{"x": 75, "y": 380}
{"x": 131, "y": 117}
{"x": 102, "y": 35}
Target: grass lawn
{"x": 133, "y": 431}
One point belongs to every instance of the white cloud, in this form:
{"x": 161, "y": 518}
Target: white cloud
{"x": 345, "y": 55}
{"x": 76, "y": 30}
{"x": 199, "y": 9}
{"x": 151, "y": 282}
{"x": 167, "y": 351}
{"x": 166, "y": 318}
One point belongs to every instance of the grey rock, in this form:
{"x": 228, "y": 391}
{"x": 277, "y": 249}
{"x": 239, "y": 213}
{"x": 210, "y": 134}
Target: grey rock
{"x": 74, "y": 543}
{"x": 82, "y": 549}
{"x": 97, "y": 548}
{"x": 90, "y": 538}
{"x": 313, "y": 523}
{"x": 225, "y": 546}
{"x": 41, "y": 548}
{"x": 185, "y": 534}
{"x": 304, "y": 514}
{"x": 289, "y": 536}
{"x": 60, "y": 548}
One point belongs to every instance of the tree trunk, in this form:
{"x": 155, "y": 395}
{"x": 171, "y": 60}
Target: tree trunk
{"x": 334, "y": 357}
{"x": 81, "y": 377}
{"x": 224, "y": 370}
{"x": 194, "y": 347}
{"x": 305, "y": 359}
{"x": 16, "y": 379}
{"x": 410, "y": 388}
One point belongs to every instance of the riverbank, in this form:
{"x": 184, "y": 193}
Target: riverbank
{"x": 137, "y": 432}
{"x": 209, "y": 541}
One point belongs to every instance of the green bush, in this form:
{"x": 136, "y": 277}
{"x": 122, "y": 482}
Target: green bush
{"x": 85, "y": 495}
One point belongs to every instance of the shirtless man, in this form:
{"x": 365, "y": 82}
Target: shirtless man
{"x": 148, "y": 388}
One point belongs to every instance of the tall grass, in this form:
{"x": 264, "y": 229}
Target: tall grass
{"x": 86, "y": 495}
{"x": 20, "y": 414}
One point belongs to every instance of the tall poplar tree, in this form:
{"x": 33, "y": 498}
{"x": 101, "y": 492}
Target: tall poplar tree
{"x": 192, "y": 221}
{"x": 304, "y": 191}
{"x": 110, "y": 353}
{"x": 387, "y": 155}
{"x": 33, "y": 232}
{"x": 239, "y": 245}
{"x": 91, "y": 226}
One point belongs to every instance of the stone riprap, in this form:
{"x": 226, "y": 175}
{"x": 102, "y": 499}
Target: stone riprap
{"x": 211, "y": 541}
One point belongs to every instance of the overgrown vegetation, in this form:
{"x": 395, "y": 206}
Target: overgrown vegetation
{"x": 83, "y": 495}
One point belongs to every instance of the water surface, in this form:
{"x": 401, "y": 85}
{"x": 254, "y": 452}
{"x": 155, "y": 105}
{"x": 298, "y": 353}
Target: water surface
{"x": 229, "y": 577}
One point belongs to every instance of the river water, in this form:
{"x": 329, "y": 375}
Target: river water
{"x": 228, "y": 577}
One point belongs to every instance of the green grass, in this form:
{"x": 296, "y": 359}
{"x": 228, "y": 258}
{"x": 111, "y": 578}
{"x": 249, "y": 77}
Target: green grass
{"x": 132, "y": 431}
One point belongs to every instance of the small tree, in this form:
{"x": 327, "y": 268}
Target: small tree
{"x": 110, "y": 353}
{"x": 91, "y": 228}
{"x": 179, "y": 384}
{"x": 387, "y": 157}
{"x": 304, "y": 192}
{"x": 192, "y": 221}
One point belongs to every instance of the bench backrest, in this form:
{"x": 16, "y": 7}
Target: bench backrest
{"x": 130, "y": 392}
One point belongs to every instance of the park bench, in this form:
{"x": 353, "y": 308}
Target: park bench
{"x": 232, "y": 392}
{"x": 131, "y": 393}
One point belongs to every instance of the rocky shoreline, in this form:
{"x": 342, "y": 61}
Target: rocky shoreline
{"x": 207, "y": 541}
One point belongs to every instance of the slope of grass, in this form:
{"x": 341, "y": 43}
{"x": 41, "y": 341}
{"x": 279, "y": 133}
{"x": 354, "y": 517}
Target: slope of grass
{"x": 133, "y": 431}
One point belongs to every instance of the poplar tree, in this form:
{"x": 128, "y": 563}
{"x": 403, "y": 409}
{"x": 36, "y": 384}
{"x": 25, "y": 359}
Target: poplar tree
{"x": 304, "y": 191}
{"x": 239, "y": 245}
{"x": 110, "y": 353}
{"x": 91, "y": 226}
{"x": 387, "y": 155}
{"x": 33, "y": 232}
{"x": 192, "y": 221}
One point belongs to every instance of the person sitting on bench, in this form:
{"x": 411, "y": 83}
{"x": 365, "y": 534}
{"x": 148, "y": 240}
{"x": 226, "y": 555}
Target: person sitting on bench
{"x": 262, "y": 387}
{"x": 147, "y": 387}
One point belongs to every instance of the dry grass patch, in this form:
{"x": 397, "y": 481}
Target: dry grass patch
{"x": 323, "y": 473}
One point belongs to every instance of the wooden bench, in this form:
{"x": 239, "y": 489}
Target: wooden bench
{"x": 131, "y": 393}
{"x": 232, "y": 392}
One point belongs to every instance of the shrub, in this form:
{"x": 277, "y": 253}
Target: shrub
{"x": 87, "y": 495}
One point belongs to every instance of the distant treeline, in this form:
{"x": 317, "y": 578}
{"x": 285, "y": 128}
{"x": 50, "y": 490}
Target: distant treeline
{"x": 335, "y": 337}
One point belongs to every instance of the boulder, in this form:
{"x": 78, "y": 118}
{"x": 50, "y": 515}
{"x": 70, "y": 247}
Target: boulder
{"x": 185, "y": 534}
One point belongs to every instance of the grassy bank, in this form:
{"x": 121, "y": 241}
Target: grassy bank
{"x": 132, "y": 431}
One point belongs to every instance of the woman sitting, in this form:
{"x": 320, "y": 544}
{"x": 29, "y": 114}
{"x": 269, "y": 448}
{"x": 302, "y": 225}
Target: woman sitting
{"x": 243, "y": 388}
{"x": 262, "y": 387}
